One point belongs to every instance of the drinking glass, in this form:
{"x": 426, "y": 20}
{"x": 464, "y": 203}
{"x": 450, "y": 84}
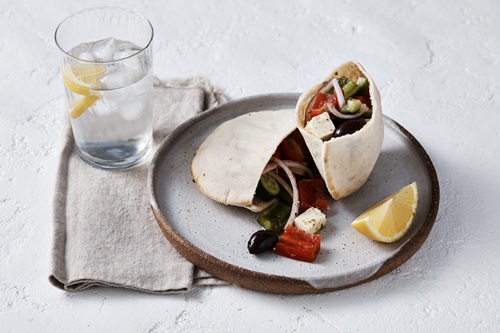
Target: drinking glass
{"x": 107, "y": 71}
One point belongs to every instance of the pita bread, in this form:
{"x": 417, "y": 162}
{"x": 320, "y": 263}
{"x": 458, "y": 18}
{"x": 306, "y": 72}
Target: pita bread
{"x": 345, "y": 162}
{"x": 228, "y": 164}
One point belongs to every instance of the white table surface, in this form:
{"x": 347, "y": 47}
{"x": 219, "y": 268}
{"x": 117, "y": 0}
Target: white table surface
{"x": 436, "y": 65}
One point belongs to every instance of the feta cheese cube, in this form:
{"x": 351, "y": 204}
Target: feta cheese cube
{"x": 311, "y": 220}
{"x": 321, "y": 126}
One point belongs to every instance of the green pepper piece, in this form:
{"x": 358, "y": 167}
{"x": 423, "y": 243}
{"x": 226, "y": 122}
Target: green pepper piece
{"x": 285, "y": 197}
{"x": 275, "y": 217}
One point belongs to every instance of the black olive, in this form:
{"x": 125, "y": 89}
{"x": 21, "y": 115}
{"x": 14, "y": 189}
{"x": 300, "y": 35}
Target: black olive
{"x": 349, "y": 126}
{"x": 262, "y": 241}
{"x": 337, "y": 121}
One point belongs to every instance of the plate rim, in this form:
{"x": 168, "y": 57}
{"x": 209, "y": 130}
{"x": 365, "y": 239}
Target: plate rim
{"x": 272, "y": 283}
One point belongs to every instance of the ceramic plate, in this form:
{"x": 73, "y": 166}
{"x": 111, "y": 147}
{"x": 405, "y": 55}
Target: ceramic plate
{"x": 214, "y": 236}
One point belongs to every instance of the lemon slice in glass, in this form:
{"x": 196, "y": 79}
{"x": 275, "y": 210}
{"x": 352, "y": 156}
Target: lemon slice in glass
{"x": 81, "y": 80}
{"x": 391, "y": 218}
{"x": 78, "y": 107}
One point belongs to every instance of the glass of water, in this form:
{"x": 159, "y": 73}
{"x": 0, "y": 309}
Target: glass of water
{"x": 107, "y": 71}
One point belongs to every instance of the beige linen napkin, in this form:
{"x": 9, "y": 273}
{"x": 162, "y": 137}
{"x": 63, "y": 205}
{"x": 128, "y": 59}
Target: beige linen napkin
{"x": 104, "y": 231}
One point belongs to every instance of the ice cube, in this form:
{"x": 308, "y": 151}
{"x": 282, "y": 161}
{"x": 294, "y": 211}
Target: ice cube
{"x": 113, "y": 99}
{"x": 122, "y": 73}
{"x": 81, "y": 50}
{"x": 120, "y": 55}
{"x": 125, "y": 49}
{"x": 104, "y": 49}
{"x": 132, "y": 110}
{"x": 86, "y": 56}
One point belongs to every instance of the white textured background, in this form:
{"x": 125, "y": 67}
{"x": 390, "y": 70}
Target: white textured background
{"x": 436, "y": 64}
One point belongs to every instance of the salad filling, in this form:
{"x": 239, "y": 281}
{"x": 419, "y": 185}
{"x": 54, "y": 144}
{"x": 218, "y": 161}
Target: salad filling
{"x": 339, "y": 108}
{"x": 259, "y": 161}
{"x": 291, "y": 187}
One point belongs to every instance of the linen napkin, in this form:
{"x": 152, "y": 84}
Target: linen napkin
{"x": 104, "y": 231}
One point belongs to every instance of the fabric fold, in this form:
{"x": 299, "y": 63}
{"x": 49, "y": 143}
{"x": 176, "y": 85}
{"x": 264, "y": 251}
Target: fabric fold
{"x": 104, "y": 233}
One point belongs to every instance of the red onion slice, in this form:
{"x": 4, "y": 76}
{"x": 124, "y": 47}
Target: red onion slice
{"x": 259, "y": 205}
{"x": 298, "y": 166}
{"x": 339, "y": 114}
{"x": 270, "y": 167}
{"x": 338, "y": 92}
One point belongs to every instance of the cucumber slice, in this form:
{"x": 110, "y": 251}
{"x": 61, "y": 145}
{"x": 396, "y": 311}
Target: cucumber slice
{"x": 268, "y": 188}
{"x": 275, "y": 217}
{"x": 352, "y": 106}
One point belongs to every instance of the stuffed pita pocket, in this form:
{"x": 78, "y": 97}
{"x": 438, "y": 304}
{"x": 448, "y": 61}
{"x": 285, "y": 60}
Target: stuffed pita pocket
{"x": 344, "y": 132}
{"x": 228, "y": 165}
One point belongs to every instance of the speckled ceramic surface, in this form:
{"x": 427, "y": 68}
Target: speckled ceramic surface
{"x": 214, "y": 236}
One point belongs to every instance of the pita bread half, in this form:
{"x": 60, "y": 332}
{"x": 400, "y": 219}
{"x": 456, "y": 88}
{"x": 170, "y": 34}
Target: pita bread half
{"x": 345, "y": 162}
{"x": 228, "y": 164}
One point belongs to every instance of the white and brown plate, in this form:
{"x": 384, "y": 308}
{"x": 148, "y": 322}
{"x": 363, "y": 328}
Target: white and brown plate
{"x": 214, "y": 237}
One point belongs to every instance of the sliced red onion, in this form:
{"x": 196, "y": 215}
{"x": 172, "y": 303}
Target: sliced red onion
{"x": 259, "y": 205}
{"x": 295, "y": 196}
{"x": 270, "y": 167}
{"x": 298, "y": 168}
{"x": 297, "y": 171}
{"x": 338, "y": 92}
{"x": 339, "y": 114}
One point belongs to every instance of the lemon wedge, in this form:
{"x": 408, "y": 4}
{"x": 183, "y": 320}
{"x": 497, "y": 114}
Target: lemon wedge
{"x": 81, "y": 80}
{"x": 82, "y": 106}
{"x": 391, "y": 218}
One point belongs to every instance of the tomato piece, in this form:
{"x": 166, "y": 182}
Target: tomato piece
{"x": 277, "y": 154}
{"x": 321, "y": 100}
{"x": 365, "y": 100}
{"x": 312, "y": 194}
{"x": 332, "y": 98}
{"x": 315, "y": 112}
{"x": 320, "y": 104}
{"x": 293, "y": 148}
{"x": 298, "y": 244}
{"x": 295, "y": 135}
